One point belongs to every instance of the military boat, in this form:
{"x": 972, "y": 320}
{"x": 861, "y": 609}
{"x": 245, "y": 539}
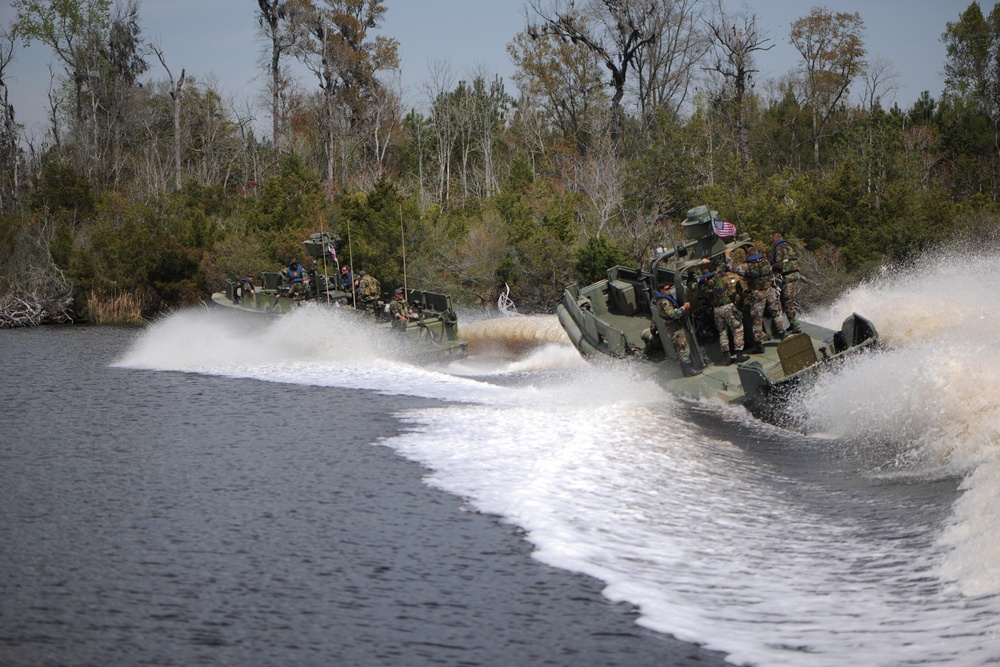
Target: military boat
{"x": 432, "y": 327}
{"x": 615, "y": 318}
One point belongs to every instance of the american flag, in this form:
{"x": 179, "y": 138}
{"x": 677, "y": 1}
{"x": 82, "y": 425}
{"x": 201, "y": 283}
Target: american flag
{"x": 724, "y": 228}
{"x": 333, "y": 251}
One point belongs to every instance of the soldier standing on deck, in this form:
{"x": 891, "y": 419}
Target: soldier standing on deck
{"x": 672, "y": 313}
{"x": 763, "y": 297}
{"x": 712, "y": 289}
{"x": 367, "y": 286}
{"x": 785, "y": 264}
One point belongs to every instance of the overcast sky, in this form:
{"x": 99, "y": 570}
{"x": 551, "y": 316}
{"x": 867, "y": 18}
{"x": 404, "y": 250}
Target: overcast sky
{"x": 218, "y": 39}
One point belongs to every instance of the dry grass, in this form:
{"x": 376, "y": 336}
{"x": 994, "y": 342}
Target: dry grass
{"x": 119, "y": 308}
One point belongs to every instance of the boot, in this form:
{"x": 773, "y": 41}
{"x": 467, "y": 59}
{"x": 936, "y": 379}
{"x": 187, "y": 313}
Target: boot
{"x": 740, "y": 357}
{"x": 725, "y": 361}
{"x": 688, "y": 370}
{"x": 758, "y": 348}
{"x": 780, "y": 335}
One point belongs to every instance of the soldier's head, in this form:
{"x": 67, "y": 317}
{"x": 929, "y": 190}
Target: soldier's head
{"x": 398, "y": 296}
{"x": 775, "y": 237}
{"x": 706, "y": 265}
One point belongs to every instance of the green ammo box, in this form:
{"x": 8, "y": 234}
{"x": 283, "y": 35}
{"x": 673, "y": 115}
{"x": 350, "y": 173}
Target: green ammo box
{"x": 796, "y": 352}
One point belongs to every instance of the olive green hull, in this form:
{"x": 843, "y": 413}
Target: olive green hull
{"x": 612, "y": 318}
{"x": 433, "y": 334}
{"x": 432, "y": 328}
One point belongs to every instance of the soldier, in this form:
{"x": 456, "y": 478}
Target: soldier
{"x": 785, "y": 264}
{"x": 399, "y": 310}
{"x": 672, "y": 313}
{"x": 712, "y": 289}
{"x": 296, "y": 279}
{"x": 367, "y": 287}
{"x": 244, "y": 289}
{"x": 346, "y": 278}
{"x": 763, "y": 297}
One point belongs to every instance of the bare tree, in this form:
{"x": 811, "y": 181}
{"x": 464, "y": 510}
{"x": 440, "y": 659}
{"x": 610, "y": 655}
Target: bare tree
{"x": 386, "y": 113}
{"x": 833, "y": 55}
{"x": 598, "y": 178}
{"x": 442, "y": 119}
{"x": 735, "y": 41}
{"x": 53, "y": 112}
{"x": 492, "y": 106}
{"x": 281, "y": 23}
{"x": 176, "y": 96}
{"x": 615, "y": 30}
{"x": 881, "y": 79}
{"x": 665, "y": 67}
{"x": 102, "y": 59}
{"x": 9, "y": 130}
{"x": 562, "y": 81}
{"x": 475, "y": 111}
{"x": 120, "y": 91}
{"x": 346, "y": 61}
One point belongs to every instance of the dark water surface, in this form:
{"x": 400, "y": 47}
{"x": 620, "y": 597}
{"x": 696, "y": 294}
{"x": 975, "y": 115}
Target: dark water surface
{"x": 152, "y": 518}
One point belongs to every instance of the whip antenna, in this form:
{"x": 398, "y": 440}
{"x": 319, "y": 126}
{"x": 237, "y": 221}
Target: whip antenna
{"x": 402, "y": 238}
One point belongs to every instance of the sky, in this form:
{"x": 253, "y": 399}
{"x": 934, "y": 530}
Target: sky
{"x": 217, "y": 40}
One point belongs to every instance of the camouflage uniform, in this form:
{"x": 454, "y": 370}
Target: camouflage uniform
{"x": 399, "y": 311}
{"x": 714, "y": 291}
{"x": 368, "y": 287}
{"x": 786, "y": 264}
{"x": 296, "y": 278}
{"x": 673, "y": 320}
{"x": 246, "y": 289}
{"x": 763, "y": 296}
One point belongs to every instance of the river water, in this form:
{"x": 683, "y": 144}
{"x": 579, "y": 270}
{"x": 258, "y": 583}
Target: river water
{"x": 219, "y": 490}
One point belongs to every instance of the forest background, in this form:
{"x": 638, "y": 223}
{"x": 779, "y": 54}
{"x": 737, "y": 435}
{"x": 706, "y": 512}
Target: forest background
{"x": 148, "y": 193}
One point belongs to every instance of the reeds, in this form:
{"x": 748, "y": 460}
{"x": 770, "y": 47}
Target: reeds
{"x": 117, "y": 308}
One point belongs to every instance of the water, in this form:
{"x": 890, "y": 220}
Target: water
{"x": 165, "y": 518}
{"x": 871, "y": 539}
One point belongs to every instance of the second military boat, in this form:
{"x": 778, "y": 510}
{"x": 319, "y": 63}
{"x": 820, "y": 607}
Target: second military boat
{"x": 431, "y": 328}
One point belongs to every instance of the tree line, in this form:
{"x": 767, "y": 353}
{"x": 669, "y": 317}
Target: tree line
{"x": 149, "y": 188}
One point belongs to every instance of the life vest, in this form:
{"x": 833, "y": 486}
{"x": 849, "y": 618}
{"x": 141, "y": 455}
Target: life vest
{"x": 668, "y": 313}
{"x": 295, "y": 272}
{"x": 789, "y": 260}
{"x": 758, "y": 272}
{"x": 714, "y": 289}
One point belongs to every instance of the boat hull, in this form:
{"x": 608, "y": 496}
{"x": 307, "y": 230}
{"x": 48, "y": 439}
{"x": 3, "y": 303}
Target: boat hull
{"x": 431, "y": 332}
{"x": 615, "y": 319}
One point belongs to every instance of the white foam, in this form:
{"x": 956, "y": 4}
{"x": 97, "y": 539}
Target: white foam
{"x": 607, "y": 477}
{"x": 933, "y": 398}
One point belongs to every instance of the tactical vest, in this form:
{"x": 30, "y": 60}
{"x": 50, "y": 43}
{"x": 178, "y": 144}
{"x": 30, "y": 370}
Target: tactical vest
{"x": 397, "y": 308}
{"x": 784, "y": 258}
{"x": 368, "y": 285}
{"x": 713, "y": 289}
{"x": 758, "y": 272}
